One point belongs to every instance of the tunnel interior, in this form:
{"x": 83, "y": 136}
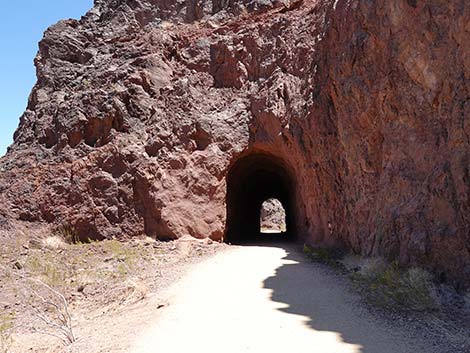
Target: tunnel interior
{"x": 251, "y": 181}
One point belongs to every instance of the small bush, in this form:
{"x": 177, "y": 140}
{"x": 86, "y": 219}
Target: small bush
{"x": 389, "y": 286}
{"x": 68, "y": 233}
{"x": 6, "y": 325}
{"x": 327, "y": 256}
{"x": 48, "y": 268}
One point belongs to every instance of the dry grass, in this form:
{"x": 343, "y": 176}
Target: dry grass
{"x": 67, "y": 233}
{"x": 387, "y": 285}
{"x": 52, "y": 272}
{"x": 328, "y": 256}
{"x": 94, "y": 278}
{"x": 383, "y": 284}
{"x": 6, "y": 326}
{"x": 406, "y": 291}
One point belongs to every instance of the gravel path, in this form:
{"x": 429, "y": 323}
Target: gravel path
{"x": 269, "y": 299}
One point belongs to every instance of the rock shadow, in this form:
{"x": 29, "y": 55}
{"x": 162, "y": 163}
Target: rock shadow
{"x": 317, "y": 293}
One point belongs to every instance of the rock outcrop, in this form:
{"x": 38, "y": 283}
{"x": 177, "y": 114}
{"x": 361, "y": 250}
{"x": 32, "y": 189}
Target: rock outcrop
{"x": 273, "y": 216}
{"x": 142, "y": 107}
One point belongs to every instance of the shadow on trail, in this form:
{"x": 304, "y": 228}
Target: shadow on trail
{"x": 311, "y": 291}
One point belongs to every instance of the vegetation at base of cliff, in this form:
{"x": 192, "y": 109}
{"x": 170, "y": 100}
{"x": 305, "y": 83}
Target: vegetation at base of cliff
{"x": 44, "y": 278}
{"x": 70, "y": 235}
{"x": 328, "y": 256}
{"x": 383, "y": 284}
{"x": 6, "y": 325}
{"x": 389, "y": 286}
{"x": 64, "y": 266}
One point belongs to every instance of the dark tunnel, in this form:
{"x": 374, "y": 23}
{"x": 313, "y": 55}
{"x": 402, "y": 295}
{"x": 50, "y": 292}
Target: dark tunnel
{"x": 251, "y": 181}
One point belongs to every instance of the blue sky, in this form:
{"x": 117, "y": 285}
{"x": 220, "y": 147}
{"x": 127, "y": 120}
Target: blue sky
{"x": 22, "y": 24}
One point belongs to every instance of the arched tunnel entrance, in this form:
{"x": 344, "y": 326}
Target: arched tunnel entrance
{"x": 251, "y": 181}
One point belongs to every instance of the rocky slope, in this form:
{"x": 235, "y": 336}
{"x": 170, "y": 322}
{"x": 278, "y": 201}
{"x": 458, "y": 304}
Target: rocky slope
{"x": 142, "y": 107}
{"x": 273, "y": 216}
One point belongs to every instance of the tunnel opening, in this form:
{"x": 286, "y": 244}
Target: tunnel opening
{"x": 272, "y": 217}
{"x": 251, "y": 181}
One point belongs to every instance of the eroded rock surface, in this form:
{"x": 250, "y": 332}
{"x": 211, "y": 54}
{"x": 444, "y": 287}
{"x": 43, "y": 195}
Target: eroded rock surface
{"x": 141, "y": 107}
{"x": 273, "y": 216}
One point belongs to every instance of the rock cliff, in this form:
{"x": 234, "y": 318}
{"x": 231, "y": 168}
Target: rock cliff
{"x": 272, "y": 217}
{"x": 163, "y": 117}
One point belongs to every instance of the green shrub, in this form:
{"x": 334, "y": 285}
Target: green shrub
{"x": 389, "y": 286}
{"x": 48, "y": 269}
{"x": 6, "y": 325}
{"x": 68, "y": 233}
{"x": 327, "y": 256}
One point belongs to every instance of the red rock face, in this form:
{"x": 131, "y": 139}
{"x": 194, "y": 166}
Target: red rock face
{"x": 359, "y": 110}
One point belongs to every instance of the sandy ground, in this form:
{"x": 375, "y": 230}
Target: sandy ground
{"x": 268, "y": 299}
{"x": 113, "y": 289}
{"x": 207, "y": 297}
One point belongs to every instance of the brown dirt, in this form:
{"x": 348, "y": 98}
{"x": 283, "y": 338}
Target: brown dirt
{"x": 140, "y": 295}
{"x": 110, "y": 286}
{"x": 270, "y": 298}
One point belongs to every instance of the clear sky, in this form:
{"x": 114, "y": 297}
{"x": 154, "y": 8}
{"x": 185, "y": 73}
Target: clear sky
{"x": 22, "y": 24}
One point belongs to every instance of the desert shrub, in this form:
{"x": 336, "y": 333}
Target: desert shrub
{"x": 387, "y": 285}
{"x": 68, "y": 233}
{"x": 51, "y": 310}
{"x": 126, "y": 256}
{"x": 47, "y": 267}
{"x": 329, "y": 256}
{"x": 6, "y": 325}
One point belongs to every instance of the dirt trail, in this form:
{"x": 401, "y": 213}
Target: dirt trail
{"x": 268, "y": 299}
